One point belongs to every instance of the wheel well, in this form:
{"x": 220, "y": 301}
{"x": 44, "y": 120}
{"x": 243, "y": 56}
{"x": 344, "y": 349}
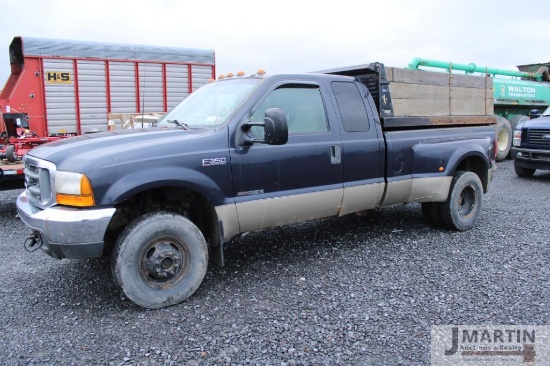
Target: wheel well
{"x": 182, "y": 201}
{"x": 476, "y": 165}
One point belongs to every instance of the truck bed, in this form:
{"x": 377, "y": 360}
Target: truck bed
{"x": 394, "y": 123}
{"x": 418, "y": 98}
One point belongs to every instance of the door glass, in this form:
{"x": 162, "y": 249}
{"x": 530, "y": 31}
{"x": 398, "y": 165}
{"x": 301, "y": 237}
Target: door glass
{"x": 302, "y": 106}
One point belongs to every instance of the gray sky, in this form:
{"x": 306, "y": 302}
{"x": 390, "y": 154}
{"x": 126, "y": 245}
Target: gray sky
{"x": 297, "y": 36}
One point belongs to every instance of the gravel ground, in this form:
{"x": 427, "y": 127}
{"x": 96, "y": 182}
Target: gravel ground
{"x": 353, "y": 290}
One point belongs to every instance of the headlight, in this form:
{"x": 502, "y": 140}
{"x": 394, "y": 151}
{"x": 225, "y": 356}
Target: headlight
{"x": 73, "y": 189}
{"x": 517, "y": 138}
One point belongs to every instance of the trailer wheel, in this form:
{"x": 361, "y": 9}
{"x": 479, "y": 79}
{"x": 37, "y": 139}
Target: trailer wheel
{"x": 431, "y": 213}
{"x": 504, "y": 138}
{"x": 463, "y": 206}
{"x": 11, "y": 154}
{"x": 523, "y": 172}
{"x": 159, "y": 260}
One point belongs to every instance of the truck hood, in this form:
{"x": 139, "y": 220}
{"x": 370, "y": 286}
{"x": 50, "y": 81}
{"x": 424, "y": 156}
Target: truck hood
{"x": 88, "y": 152}
{"x": 540, "y": 122}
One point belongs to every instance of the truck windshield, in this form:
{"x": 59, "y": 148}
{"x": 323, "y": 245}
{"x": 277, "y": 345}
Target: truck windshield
{"x": 210, "y": 105}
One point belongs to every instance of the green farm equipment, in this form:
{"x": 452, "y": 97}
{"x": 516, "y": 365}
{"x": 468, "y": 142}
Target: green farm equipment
{"x": 515, "y": 93}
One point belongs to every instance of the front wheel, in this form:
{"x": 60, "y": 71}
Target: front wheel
{"x": 159, "y": 260}
{"x": 463, "y": 206}
{"x": 523, "y": 172}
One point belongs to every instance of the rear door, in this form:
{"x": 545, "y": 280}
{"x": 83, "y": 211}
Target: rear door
{"x": 298, "y": 181}
{"x": 363, "y": 149}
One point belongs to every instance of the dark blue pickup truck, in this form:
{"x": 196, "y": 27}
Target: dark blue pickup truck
{"x": 531, "y": 145}
{"x": 244, "y": 154}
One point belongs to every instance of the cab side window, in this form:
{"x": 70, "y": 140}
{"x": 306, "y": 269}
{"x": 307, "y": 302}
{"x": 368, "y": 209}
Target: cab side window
{"x": 352, "y": 108}
{"x": 302, "y": 105}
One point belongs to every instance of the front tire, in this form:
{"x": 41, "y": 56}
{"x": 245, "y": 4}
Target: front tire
{"x": 463, "y": 206}
{"x": 524, "y": 172}
{"x": 159, "y": 260}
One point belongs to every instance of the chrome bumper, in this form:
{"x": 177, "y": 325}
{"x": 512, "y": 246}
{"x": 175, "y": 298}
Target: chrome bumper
{"x": 67, "y": 232}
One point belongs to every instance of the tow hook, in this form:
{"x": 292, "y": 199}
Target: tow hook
{"x": 33, "y": 242}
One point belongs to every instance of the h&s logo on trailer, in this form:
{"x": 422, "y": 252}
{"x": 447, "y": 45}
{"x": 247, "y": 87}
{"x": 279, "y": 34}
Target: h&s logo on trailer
{"x": 57, "y": 77}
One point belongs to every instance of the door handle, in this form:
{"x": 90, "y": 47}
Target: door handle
{"x": 335, "y": 154}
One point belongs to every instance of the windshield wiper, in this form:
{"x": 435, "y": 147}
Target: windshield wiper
{"x": 181, "y": 125}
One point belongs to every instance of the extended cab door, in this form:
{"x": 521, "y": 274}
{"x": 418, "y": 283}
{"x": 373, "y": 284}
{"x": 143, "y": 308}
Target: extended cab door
{"x": 363, "y": 147}
{"x": 298, "y": 181}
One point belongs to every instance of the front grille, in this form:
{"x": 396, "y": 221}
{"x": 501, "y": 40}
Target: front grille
{"x": 38, "y": 181}
{"x": 539, "y": 137}
{"x": 32, "y": 182}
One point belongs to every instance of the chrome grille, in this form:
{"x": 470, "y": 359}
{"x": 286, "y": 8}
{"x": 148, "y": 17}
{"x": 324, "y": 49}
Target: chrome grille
{"x": 32, "y": 182}
{"x": 540, "y": 137}
{"x": 38, "y": 181}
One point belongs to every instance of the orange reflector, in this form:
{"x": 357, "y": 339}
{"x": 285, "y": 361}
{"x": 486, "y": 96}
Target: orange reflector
{"x": 260, "y": 72}
{"x": 230, "y": 75}
{"x": 222, "y": 76}
{"x": 240, "y": 73}
{"x": 441, "y": 169}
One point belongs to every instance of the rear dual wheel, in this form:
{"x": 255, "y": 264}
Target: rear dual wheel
{"x": 463, "y": 206}
{"x": 431, "y": 213}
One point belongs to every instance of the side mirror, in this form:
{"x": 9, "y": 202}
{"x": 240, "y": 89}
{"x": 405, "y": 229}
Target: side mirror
{"x": 534, "y": 113}
{"x": 275, "y": 129}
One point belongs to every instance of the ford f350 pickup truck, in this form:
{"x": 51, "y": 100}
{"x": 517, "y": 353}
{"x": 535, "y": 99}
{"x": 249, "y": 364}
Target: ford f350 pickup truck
{"x": 244, "y": 154}
{"x": 531, "y": 145}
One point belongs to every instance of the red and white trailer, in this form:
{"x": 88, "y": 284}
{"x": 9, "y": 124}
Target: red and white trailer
{"x": 60, "y": 88}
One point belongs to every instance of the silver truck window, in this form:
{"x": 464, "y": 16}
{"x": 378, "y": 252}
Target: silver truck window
{"x": 302, "y": 105}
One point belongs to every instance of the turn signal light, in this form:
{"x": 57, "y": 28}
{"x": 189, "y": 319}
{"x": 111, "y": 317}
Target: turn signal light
{"x": 73, "y": 189}
{"x": 76, "y": 201}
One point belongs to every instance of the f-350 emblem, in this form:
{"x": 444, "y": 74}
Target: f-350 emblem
{"x": 214, "y": 161}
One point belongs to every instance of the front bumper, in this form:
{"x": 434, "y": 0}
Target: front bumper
{"x": 531, "y": 158}
{"x": 67, "y": 232}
